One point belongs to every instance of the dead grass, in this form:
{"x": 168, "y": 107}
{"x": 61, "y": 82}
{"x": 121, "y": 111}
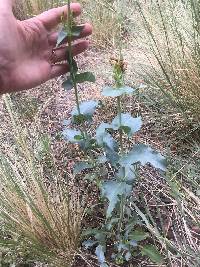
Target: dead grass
{"x": 28, "y": 8}
{"x": 168, "y": 208}
{"x": 172, "y": 47}
{"x": 40, "y": 211}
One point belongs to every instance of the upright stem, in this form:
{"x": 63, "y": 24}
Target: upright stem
{"x": 72, "y": 74}
{"x": 119, "y": 107}
{"x": 122, "y": 202}
{"x": 120, "y": 121}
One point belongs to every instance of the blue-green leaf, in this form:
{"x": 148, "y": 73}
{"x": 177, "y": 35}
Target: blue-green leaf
{"x": 104, "y": 138}
{"x": 100, "y": 253}
{"x": 79, "y": 119}
{"x": 87, "y": 109}
{"x": 85, "y": 77}
{"x": 152, "y": 252}
{"x": 102, "y": 159}
{"x": 133, "y": 243}
{"x": 127, "y": 256}
{"x": 126, "y": 173}
{"x": 99, "y": 234}
{"x": 128, "y": 124}
{"x": 121, "y": 246}
{"x": 72, "y": 135}
{"x": 114, "y": 92}
{"x": 138, "y": 235}
{"x": 111, "y": 223}
{"x": 91, "y": 232}
{"x": 112, "y": 190}
{"x": 67, "y": 85}
{"x": 61, "y": 37}
{"x": 111, "y": 155}
{"x": 90, "y": 177}
{"x": 144, "y": 154}
{"x": 63, "y": 34}
{"x": 89, "y": 243}
{"x": 76, "y": 30}
{"x": 66, "y": 122}
{"x": 82, "y": 165}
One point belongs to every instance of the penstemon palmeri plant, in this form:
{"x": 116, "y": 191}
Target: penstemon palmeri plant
{"x": 104, "y": 152}
{"x": 70, "y": 31}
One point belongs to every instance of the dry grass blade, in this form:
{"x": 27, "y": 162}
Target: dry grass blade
{"x": 174, "y": 52}
{"x": 40, "y": 215}
{"x": 172, "y": 215}
{"x": 28, "y": 8}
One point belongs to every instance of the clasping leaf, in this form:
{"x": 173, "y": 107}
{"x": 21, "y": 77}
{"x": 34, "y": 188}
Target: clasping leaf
{"x": 144, "y": 154}
{"x": 64, "y": 33}
{"x": 100, "y": 250}
{"x": 126, "y": 174}
{"x": 128, "y": 124}
{"x": 138, "y": 235}
{"x": 104, "y": 138}
{"x": 114, "y": 92}
{"x": 112, "y": 190}
{"x": 81, "y": 166}
{"x": 61, "y": 37}
{"x": 152, "y": 252}
{"x": 85, "y": 77}
{"x": 87, "y": 109}
{"x": 76, "y": 30}
{"x": 67, "y": 85}
{"x": 73, "y": 136}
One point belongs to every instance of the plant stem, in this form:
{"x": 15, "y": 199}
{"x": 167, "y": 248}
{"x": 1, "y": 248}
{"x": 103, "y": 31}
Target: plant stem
{"x": 120, "y": 122}
{"x": 122, "y": 202}
{"x": 122, "y": 206}
{"x": 119, "y": 83}
{"x": 72, "y": 73}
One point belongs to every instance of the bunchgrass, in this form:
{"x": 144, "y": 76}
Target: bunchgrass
{"x": 172, "y": 44}
{"x": 28, "y": 8}
{"x": 40, "y": 211}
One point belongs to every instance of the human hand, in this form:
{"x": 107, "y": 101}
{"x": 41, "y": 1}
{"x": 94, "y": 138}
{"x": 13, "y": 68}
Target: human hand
{"x": 26, "y": 48}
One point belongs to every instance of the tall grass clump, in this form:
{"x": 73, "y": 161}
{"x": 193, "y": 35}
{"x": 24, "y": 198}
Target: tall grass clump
{"x": 27, "y": 8}
{"x": 107, "y": 20}
{"x": 172, "y": 33}
{"x": 40, "y": 212}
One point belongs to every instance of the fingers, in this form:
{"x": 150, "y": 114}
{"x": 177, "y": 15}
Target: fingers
{"x": 87, "y": 30}
{"x": 58, "y": 70}
{"x": 60, "y": 54}
{"x": 52, "y": 18}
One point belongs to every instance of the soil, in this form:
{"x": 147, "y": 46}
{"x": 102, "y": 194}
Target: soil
{"x": 55, "y": 105}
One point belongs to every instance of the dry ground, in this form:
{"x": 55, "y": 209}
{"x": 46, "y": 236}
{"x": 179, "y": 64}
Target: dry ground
{"x": 173, "y": 204}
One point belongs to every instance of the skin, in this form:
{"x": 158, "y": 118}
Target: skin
{"x": 26, "y": 48}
